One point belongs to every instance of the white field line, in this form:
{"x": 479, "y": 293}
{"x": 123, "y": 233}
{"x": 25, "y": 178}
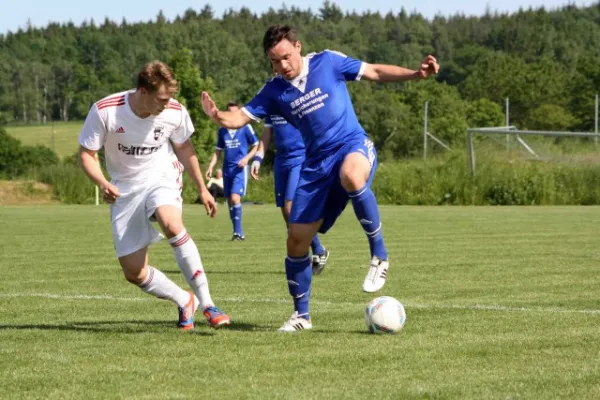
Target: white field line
{"x": 474, "y": 307}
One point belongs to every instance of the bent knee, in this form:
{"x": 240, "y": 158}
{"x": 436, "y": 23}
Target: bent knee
{"x": 136, "y": 276}
{"x": 354, "y": 180}
{"x": 297, "y": 242}
{"x": 172, "y": 228}
{"x": 294, "y": 239}
{"x": 355, "y": 172}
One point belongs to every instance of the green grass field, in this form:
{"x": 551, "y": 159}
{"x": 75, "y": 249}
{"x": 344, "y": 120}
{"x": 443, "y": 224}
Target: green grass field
{"x": 502, "y": 303}
{"x": 59, "y": 136}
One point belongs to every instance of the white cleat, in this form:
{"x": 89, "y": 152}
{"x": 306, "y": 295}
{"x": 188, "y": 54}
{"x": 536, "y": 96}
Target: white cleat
{"x": 296, "y": 324}
{"x": 376, "y": 276}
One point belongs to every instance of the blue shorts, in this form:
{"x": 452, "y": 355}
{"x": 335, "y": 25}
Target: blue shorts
{"x": 236, "y": 183}
{"x": 287, "y": 174}
{"x": 320, "y": 193}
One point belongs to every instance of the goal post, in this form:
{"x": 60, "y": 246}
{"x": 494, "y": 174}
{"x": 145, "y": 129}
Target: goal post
{"x": 512, "y": 130}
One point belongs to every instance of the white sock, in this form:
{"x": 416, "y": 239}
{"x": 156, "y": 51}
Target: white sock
{"x": 190, "y": 264}
{"x": 159, "y": 285}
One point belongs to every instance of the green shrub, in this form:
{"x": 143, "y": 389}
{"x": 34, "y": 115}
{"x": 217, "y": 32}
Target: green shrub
{"x": 69, "y": 184}
{"x": 16, "y": 160}
{"x": 448, "y": 180}
{"x": 440, "y": 181}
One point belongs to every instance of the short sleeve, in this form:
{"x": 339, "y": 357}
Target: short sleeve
{"x": 349, "y": 68}
{"x": 185, "y": 129}
{"x": 268, "y": 122}
{"x": 220, "y": 140}
{"x": 260, "y": 106}
{"x": 93, "y": 132}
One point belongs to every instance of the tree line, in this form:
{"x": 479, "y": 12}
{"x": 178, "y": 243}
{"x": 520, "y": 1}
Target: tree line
{"x": 546, "y": 62}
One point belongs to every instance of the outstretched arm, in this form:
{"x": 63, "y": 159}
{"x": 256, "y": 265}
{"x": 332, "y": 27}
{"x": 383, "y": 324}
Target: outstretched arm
{"x": 227, "y": 119}
{"x": 392, "y": 73}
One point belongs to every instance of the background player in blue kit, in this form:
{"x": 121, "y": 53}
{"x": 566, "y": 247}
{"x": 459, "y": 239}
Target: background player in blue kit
{"x": 289, "y": 156}
{"x": 234, "y": 143}
{"x": 310, "y": 92}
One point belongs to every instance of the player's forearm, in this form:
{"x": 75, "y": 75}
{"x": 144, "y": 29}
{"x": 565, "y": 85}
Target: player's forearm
{"x": 92, "y": 169}
{"x": 263, "y": 144}
{"x": 187, "y": 156}
{"x": 261, "y": 147}
{"x": 265, "y": 139}
{"x": 252, "y": 152}
{"x": 213, "y": 160}
{"x": 195, "y": 172}
{"x": 389, "y": 73}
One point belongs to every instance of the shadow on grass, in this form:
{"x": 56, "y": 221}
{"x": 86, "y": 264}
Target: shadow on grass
{"x": 338, "y": 331}
{"x": 127, "y": 327}
{"x": 248, "y": 272}
{"x": 247, "y": 327}
{"x": 135, "y": 327}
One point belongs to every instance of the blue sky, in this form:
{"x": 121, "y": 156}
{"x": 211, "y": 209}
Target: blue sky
{"x": 41, "y": 12}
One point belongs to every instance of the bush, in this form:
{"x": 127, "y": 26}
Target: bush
{"x": 448, "y": 181}
{"x": 69, "y": 184}
{"x": 11, "y": 164}
{"x": 440, "y": 181}
{"x": 39, "y": 156}
{"x": 16, "y": 160}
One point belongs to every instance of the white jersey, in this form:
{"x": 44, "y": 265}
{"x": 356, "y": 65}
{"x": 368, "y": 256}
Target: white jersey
{"x": 136, "y": 149}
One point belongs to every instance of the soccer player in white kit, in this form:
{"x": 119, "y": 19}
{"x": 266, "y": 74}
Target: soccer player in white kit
{"x": 146, "y": 138}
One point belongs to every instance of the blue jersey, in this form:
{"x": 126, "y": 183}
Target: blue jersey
{"x": 288, "y": 140}
{"x": 235, "y": 145}
{"x": 317, "y": 102}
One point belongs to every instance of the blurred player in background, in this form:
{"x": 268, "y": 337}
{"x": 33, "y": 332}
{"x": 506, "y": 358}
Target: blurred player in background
{"x": 239, "y": 146}
{"x": 215, "y": 185}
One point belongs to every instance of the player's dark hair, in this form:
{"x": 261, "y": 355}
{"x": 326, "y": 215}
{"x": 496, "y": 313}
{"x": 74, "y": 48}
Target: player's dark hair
{"x": 275, "y": 34}
{"x": 154, "y": 74}
{"x": 232, "y": 104}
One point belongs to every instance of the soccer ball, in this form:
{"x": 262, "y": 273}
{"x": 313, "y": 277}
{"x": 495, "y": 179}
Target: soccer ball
{"x": 385, "y": 315}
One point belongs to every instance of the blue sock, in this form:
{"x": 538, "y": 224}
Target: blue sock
{"x": 316, "y": 246}
{"x": 232, "y": 217}
{"x": 235, "y": 213}
{"x": 367, "y": 212}
{"x": 299, "y": 275}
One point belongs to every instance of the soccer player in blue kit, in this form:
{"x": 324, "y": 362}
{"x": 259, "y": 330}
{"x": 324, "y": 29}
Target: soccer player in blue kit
{"x": 289, "y": 157}
{"x": 310, "y": 92}
{"x": 234, "y": 143}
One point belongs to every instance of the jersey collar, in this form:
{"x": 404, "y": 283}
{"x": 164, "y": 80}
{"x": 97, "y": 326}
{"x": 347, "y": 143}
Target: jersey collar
{"x": 130, "y": 110}
{"x": 299, "y": 82}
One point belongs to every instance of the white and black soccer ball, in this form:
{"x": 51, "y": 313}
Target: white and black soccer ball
{"x": 385, "y": 315}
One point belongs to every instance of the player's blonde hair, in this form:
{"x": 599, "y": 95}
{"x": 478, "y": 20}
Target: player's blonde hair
{"x": 154, "y": 74}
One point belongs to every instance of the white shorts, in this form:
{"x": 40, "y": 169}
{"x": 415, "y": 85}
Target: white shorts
{"x": 133, "y": 213}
